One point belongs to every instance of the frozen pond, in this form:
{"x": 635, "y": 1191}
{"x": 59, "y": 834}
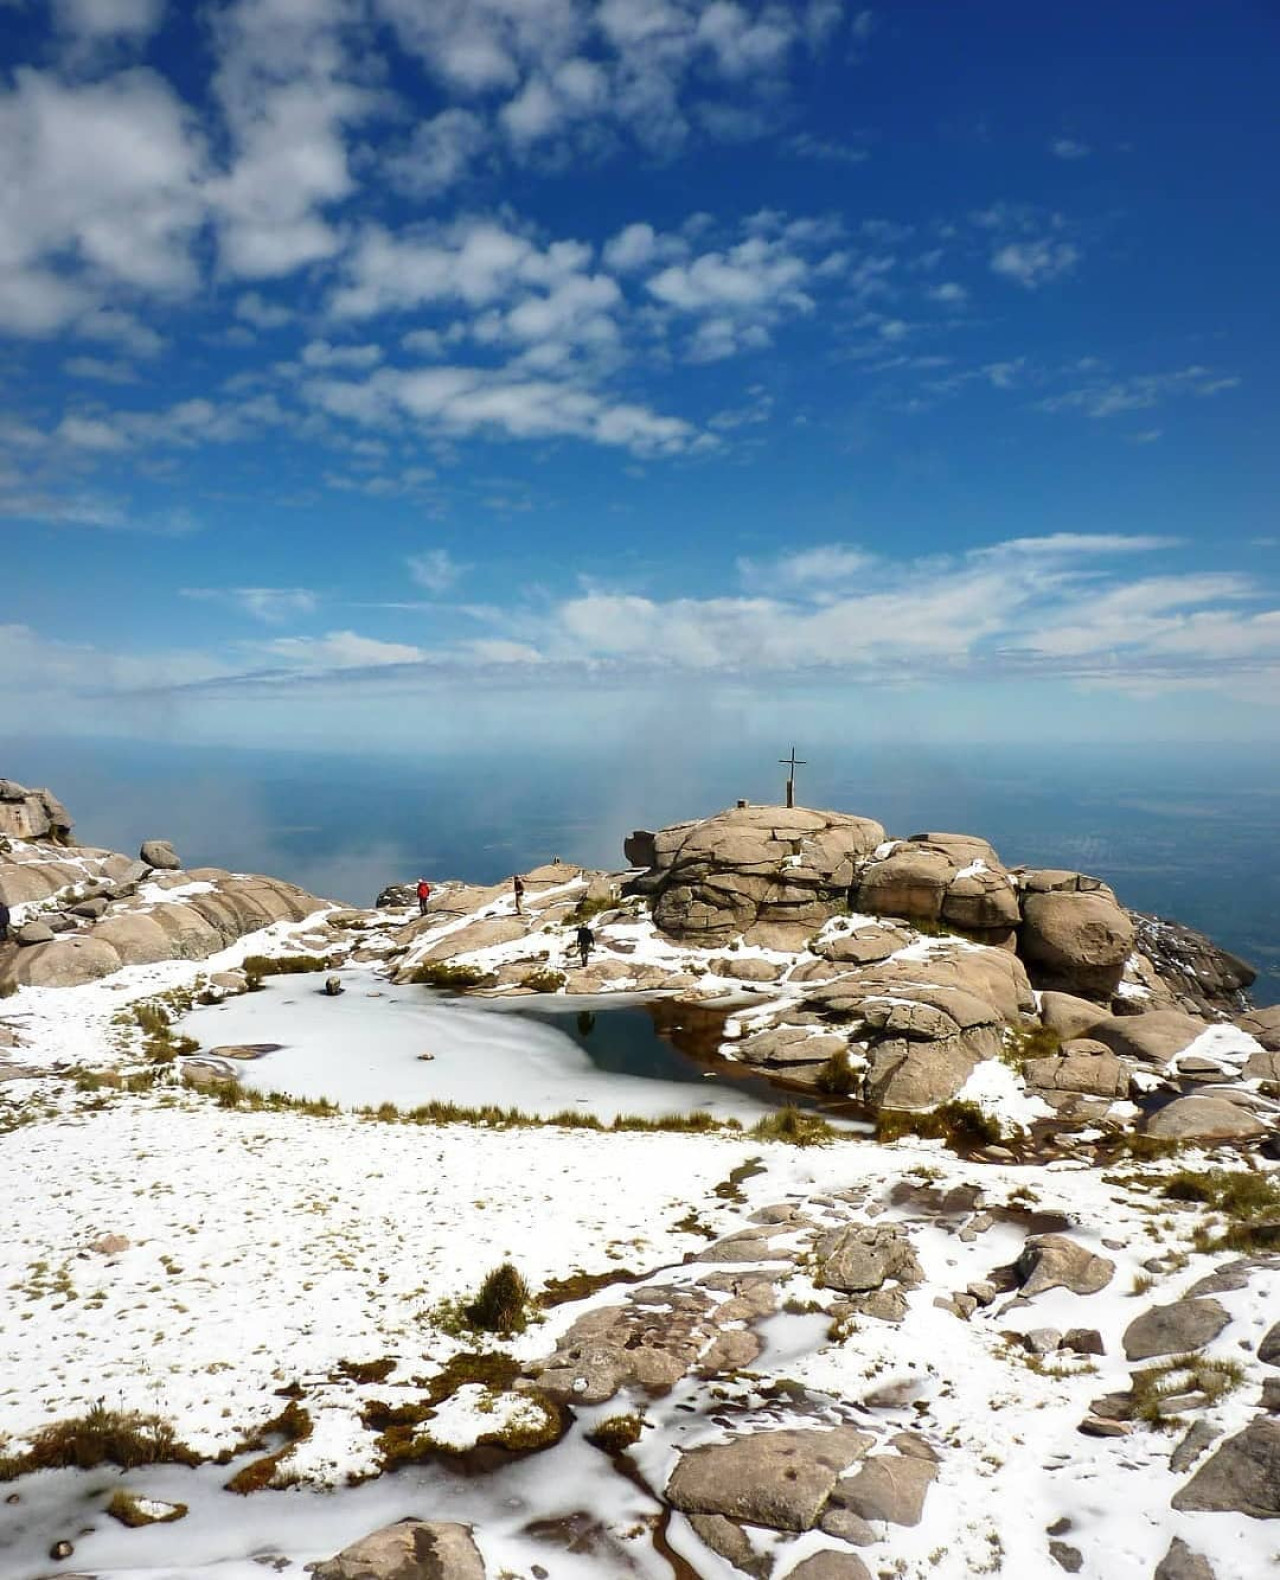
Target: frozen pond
{"x": 542, "y": 1055}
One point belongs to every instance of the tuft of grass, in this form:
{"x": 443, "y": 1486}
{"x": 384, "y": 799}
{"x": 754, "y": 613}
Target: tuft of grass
{"x": 502, "y": 1305}
{"x": 127, "y": 1507}
{"x": 364, "y": 1372}
{"x": 616, "y": 1433}
{"x": 542, "y": 979}
{"x": 1249, "y": 1200}
{"x": 100, "y": 1437}
{"x": 1021, "y": 1043}
{"x": 795, "y": 1125}
{"x": 837, "y": 1078}
{"x": 444, "y": 974}
{"x": 586, "y": 910}
{"x": 261, "y": 966}
{"x": 961, "y": 1125}
{"x": 1153, "y": 1386}
{"x": 294, "y": 1425}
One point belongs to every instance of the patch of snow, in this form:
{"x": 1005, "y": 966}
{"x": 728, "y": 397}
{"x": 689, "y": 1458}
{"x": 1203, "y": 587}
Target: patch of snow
{"x": 1002, "y": 1094}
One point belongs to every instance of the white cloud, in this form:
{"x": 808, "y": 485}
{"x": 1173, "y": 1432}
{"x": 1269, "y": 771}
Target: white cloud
{"x": 91, "y": 23}
{"x": 440, "y": 154}
{"x": 436, "y": 570}
{"x": 98, "y": 368}
{"x": 320, "y": 354}
{"x": 255, "y": 309}
{"x": 286, "y": 92}
{"x": 99, "y": 186}
{"x": 949, "y": 293}
{"x": 271, "y": 605}
{"x": 1069, "y": 148}
{"x": 91, "y": 433}
{"x": 340, "y": 650}
{"x": 1108, "y": 398}
{"x": 1032, "y": 264}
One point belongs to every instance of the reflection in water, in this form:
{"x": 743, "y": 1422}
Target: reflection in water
{"x": 586, "y": 1022}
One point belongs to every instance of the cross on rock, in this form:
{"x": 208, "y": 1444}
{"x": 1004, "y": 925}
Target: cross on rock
{"x": 793, "y": 762}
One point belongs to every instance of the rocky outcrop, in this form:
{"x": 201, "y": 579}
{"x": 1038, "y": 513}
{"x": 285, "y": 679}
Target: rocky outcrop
{"x": 770, "y": 874}
{"x": 33, "y": 814}
{"x": 1202, "y": 978}
{"x": 953, "y": 879}
{"x": 410, "y": 1550}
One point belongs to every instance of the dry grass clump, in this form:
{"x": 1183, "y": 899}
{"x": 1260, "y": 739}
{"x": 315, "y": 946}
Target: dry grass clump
{"x": 100, "y": 1437}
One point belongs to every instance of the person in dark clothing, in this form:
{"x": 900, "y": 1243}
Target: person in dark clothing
{"x": 517, "y": 888}
{"x": 4, "y": 921}
{"x": 586, "y": 942}
{"x": 424, "y": 894}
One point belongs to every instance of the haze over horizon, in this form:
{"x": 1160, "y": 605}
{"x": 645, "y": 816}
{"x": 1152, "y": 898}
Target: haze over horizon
{"x": 390, "y": 376}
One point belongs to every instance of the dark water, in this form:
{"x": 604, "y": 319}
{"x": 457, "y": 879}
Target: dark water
{"x": 1193, "y": 835}
{"x": 660, "y": 1041}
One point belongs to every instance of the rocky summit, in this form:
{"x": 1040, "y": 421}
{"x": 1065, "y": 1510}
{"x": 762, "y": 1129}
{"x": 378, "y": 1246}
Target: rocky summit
{"x": 962, "y": 1259}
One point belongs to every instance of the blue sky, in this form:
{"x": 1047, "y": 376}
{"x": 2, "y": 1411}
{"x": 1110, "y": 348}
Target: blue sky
{"x": 546, "y": 369}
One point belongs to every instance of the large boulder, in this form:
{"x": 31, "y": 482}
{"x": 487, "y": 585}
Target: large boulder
{"x": 1154, "y": 1037}
{"x": 889, "y": 1487}
{"x": 1242, "y": 1477}
{"x": 863, "y": 1257}
{"x": 1053, "y": 1261}
{"x": 1204, "y": 1119}
{"x": 1069, "y": 1016}
{"x": 1083, "y": 1066}
{"x": 137, "y": 938}
{"x": 160, "y": 853}
{"x": 783, "y": 868}
{"x": 779, "y": 1479}
{"x": 67, "y": 962}
{"x": 483, "y": 934}
{"x": 1264, "y": 1025}
{"x": 908, "y": 881}
{"x": 409, "y": 1550}
{"x": 1075, "y": 941}
{"x": 1175, "y": 1329}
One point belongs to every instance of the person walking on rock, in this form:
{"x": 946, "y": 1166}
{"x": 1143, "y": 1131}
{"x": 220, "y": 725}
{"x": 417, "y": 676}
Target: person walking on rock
{"x": 4, "y": 921}
{"x": 424, "y": 894}
{"x": 586, "y": 942}
{"x": 517, "y": 888}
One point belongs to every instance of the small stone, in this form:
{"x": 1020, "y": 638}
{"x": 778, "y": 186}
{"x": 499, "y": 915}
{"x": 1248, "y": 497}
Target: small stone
{"x": 333, "y": 986}
{"x": 1041, "y": 1341}
{"x": 1199, "y": 1436}
{"x": 1060, "y": 1526}
{"x": 1083, "y": 1341}
{"x": 848, "y": 1527}
{"x": 109, "y": 1245}
{"x": 983, "y": 1291}
{"x": 1095, "y": 1426}
{"x": 1066, "y": 1557}
{"x": 62, "y": 1549}
{"x": 159, "y": 853}
{"x": 32, "y": 933}
{"x": 1181, "y": 1563}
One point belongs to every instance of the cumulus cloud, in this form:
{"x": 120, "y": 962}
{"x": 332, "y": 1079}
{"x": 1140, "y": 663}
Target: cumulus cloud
{"x": 99, "y": 187}
{"x": 436, "y": 570}
{"x": 1032, "y": 264}
{"x": 440, "y": 153}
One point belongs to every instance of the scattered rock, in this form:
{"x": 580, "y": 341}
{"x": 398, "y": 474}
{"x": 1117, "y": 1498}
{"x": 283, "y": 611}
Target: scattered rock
{"x": 1066, "y": 1557}
{"x": 848, "y": 1527}
{"x": 1175, "y": 1329}
{"x": 1052, "y": 1261}
{"x": 1198, "y": 1437}
{"x": 333, "y": 986}
{"x": 830, "y": 1564}
{"x": 1083, "y": 1341}
{"x": 728, "y": 1538}
{"x": 1264, "y": 1026}
{"x": 161, "y": 854}
{"x": 1181, "y": 1563}
{"x": 109, "y": 1244}
{"x": 779, "y": 1479}
{"x": 410, "y": 1550}
{"x": 1243, "y": 1476}
{"x": 34, "y": 933}
{"x": 863, "y": 1256}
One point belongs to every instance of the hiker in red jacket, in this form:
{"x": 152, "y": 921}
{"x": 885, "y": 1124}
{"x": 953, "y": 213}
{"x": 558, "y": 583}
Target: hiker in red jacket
{"x": 424, "y": 894}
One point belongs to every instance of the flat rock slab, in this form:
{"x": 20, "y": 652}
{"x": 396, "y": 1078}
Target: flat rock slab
{"x": 1175, "y": 1329}
{"x": 781, "y": 1480}
{"x": 1243, "y": 1476}
{"x": 410, "y": 1550}
{"x": 830, "y": 1565}
{"x": 1204, "y": 1119}
{"x": 889, "y": 1487}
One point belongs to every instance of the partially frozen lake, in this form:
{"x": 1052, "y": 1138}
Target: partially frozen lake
{"x": 366, "y": 1046}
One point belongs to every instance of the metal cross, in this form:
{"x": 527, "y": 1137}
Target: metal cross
{"x": 793, "y": 762}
